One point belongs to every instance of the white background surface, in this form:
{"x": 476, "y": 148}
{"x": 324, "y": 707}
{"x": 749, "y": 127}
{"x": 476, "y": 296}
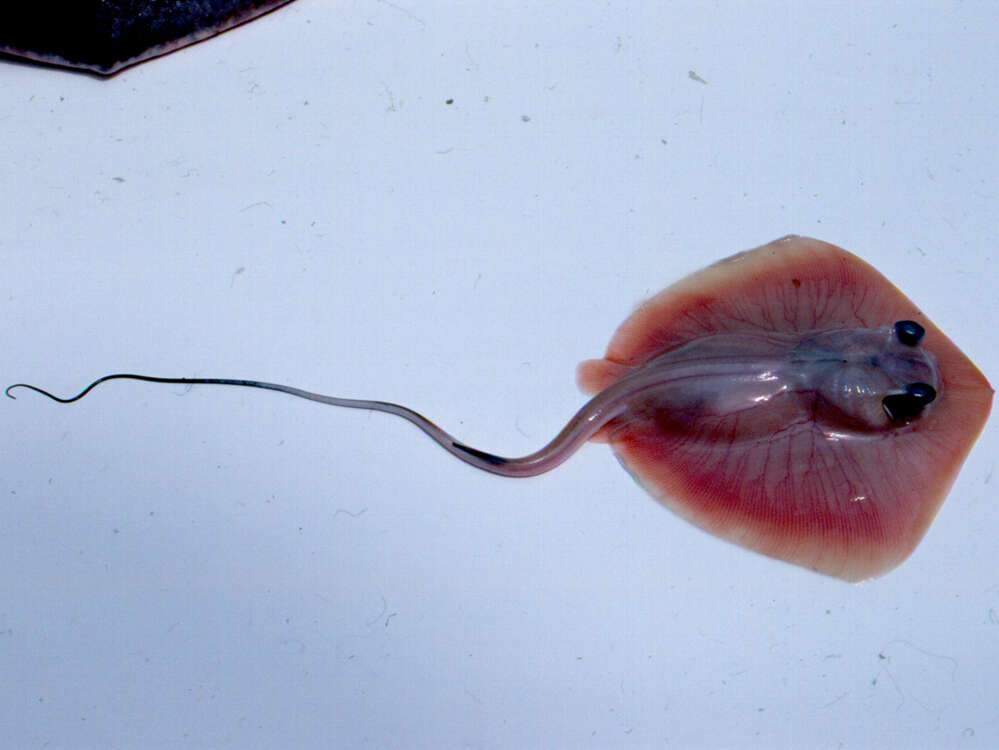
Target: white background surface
{"x": 295, "y": 201}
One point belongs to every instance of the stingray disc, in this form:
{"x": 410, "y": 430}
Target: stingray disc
{"x": 847, "y": 507}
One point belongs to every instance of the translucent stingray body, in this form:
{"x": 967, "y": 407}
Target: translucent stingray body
{"x": 788, "y": 399}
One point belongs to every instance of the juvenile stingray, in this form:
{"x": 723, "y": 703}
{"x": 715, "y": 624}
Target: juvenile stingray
{"x": 104, "y": 36}
{"x": 788, "y": 399}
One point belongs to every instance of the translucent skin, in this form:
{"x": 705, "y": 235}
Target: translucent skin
{"x": 838, "y": 379}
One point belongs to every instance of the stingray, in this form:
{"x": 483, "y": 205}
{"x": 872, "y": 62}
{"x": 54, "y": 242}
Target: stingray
{"x": 104, "y": 36}
{"x": 788, "y": 399}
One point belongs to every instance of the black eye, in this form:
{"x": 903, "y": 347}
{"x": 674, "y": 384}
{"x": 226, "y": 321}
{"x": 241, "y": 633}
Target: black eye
{"x": 909, "y": 332}
{"x": 904, "y": 407}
